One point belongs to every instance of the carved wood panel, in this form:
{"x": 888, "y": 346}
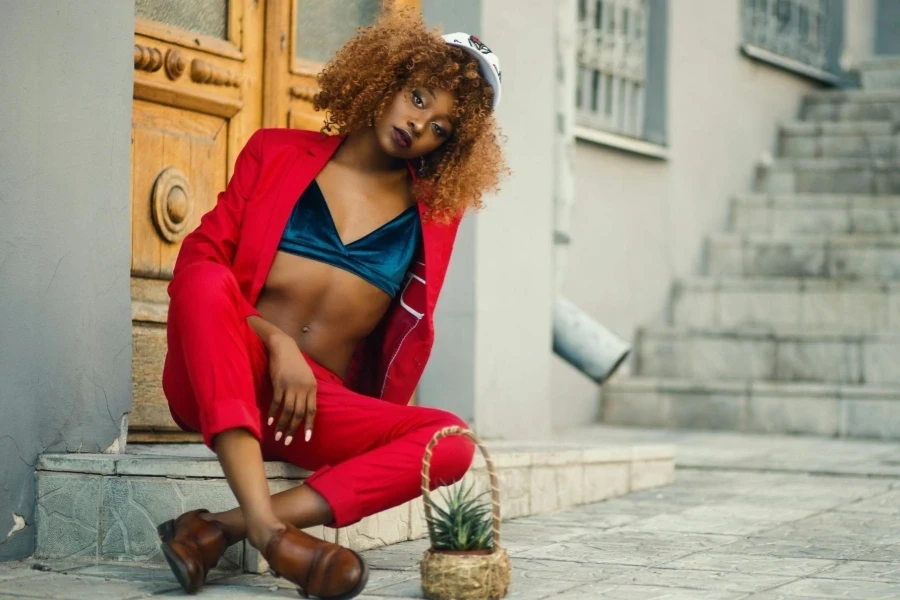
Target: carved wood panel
{"x": 181, "y": 168}
{"x": 197, "y": 99}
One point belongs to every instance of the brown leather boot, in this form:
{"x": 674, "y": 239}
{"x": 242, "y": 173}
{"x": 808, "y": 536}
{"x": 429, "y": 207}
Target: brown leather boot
{"x": 321, "y": 569}
{"x": 192, "y": 547}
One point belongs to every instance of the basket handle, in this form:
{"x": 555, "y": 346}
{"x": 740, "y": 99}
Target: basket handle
{"x": 492, "y": 472}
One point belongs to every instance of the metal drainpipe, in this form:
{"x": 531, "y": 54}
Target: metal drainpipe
{"x": 577, "y": 338}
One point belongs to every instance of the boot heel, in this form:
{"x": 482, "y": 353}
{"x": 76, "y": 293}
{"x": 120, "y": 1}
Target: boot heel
{"x": 166, "y": 531}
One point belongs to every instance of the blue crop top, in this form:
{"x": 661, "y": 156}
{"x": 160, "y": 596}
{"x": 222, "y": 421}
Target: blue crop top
{"x": 381, "y": 257}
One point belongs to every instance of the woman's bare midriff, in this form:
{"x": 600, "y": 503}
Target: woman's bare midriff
{"x": 327, "y": 310}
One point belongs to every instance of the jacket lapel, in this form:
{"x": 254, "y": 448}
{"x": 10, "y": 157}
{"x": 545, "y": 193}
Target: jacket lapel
{"x": 303, "y": 169}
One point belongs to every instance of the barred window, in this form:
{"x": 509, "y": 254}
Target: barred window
{"x": 612, "y": 65}
{"x": 800, "y": 33}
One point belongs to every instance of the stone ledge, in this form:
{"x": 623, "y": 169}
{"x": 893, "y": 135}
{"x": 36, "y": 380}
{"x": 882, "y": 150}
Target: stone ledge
{"x": 811, "y": 128}
{"x": 814, "y": 200}
{"x": 866, "y": 411}
{"x": 106, "y": 507}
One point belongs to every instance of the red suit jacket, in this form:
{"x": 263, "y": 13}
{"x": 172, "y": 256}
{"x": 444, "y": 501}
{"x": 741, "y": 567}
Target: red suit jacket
{"x": 243, "y": 230}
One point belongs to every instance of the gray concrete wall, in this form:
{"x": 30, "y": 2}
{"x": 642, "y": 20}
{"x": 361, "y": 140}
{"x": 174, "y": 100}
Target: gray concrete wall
{"x": 887, "y": 30}
{"x": 65, "y": 239}
{"x": 491, "y": 360}
{"x": 514, "y": 233}
{"x": 449, "y": 380}
{"x": 639, "y": 223}
{"x": 860, "y": 23}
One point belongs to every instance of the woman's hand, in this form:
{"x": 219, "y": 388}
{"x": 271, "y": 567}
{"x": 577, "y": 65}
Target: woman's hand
{"x": 295, "y": 389}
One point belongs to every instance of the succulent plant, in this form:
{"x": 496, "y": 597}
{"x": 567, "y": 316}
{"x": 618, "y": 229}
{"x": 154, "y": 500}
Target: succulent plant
{"x": 464, "y": 523}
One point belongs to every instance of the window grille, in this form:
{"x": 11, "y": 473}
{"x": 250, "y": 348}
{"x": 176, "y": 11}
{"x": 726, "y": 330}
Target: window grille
{"x": 795, "y": 29}
{"x": 612, "y": 57}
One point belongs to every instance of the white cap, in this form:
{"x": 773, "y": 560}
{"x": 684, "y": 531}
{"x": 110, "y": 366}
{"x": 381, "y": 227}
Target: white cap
{"x": 489, "y": 64}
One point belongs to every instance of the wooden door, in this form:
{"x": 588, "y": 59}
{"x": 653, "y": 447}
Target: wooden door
{"x": 198, "y": 67}
{"x": 208, "y": 73}
{"x": 301, "y": 35}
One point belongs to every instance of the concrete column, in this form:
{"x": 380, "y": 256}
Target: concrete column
{"x": 859, "y": 32}
{"x": 65, "y": 240}
{"x": 491, "y": 362}
{"x": 449, "y": 380}
{"x": 513, "y": 238}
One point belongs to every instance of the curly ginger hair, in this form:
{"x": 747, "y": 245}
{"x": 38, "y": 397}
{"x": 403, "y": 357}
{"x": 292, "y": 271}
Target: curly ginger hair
{"x": 398, "y": 52}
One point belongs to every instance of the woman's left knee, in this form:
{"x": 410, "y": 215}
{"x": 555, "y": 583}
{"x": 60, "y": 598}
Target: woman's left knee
{"x": 453, "y": 455}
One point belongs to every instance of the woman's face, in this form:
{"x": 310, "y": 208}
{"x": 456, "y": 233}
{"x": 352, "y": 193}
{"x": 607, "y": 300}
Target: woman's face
{"x": 416, "y": 122}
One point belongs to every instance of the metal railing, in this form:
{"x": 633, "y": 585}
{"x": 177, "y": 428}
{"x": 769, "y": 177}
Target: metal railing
{"x": 612, "y": 65}
{"x": 795, "y": 29}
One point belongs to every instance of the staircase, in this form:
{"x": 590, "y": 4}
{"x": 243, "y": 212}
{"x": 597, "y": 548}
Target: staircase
{"x": 794, "y": 327}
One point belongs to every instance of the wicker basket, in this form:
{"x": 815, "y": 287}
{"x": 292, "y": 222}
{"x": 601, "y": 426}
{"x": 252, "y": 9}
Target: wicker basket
{"x": 483, "y": 575}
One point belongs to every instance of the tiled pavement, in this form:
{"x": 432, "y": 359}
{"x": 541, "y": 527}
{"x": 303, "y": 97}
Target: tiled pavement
{"x": 770, "y": 529}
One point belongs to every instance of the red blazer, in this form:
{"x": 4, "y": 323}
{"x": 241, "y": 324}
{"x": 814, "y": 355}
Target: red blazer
{"x": 243, "y": 230}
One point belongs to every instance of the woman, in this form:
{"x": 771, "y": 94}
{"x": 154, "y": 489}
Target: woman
{"x": 301, "y": 307}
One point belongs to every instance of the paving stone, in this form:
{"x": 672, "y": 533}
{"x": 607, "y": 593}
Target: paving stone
{"x": 528, "y": 570}
{"x": 846, "y": 589}
{"x": 764, "y": 565}
{"x": 223, "y": 592}
{"x": 523, "y": 535}
{"x": 629, "y": 547}
{"x": 579, "y": 519}
{"x": 887, "y": 503}
{"x": 16, "y": 570}
{"x": 864, "y": 571}
{"x": 410, "y": 588}
{"x": 160, "y": 575}
{"x": 730, "y": 519}
{"x": 828, "y": 549}
{"x": 719, "y": 581}
{"x": 400, "y": 557}
{"x": 74, "y": 587}
{"x": 609, "y": 591}
{"x": 840, "y": 527}
{"x": 883, "y": 553}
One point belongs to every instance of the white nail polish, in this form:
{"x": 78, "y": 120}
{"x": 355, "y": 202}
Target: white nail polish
{"x": 307, "y": 435}
{"x": 288, "y": 440}
{"x": 271, "y": 420}
{"x": 277, "y": 436}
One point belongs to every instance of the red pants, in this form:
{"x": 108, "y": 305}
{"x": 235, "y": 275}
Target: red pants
{"x": 366, "y": 454}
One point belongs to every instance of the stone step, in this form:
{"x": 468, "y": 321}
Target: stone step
{"x": 882, "y": 73}
{"x": 769, "y": 354}
{"x": 786, "y": 302}
{"x": 856, "y": 257}
{"x": 829, "y": 176}
{"x": 852, "y": 105}
{"x": 815, "y": 214}
{"x": 758, "y": 407}
{"x": 105, "y": 507}
{"x": 851, "y": 139}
